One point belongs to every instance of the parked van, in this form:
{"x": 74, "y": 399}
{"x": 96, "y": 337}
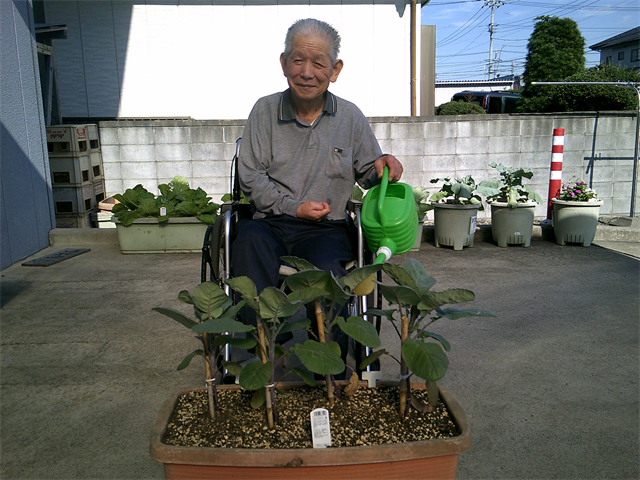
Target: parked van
{"x": 491, "y": 102}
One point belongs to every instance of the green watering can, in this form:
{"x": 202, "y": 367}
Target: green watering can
{"x": 389, "y": 218}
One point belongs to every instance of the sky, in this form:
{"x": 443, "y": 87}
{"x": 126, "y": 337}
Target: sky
{"x": 463, "y": 39}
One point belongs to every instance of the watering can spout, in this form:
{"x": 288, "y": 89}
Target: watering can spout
{"x": 385, "y": 251}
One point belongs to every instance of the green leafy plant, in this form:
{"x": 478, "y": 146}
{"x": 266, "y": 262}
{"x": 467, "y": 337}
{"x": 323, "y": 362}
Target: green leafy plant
{"x": 176, "y": 199}
{"x": 414, "y": 308}
{"x": 459, "y": 108}
{"x": 462, "y": 191}
{"x": 510, "y": 187}
{"x": 215, "y": 321}
{"x": 576, "y": 191}
{"x": 274, "y": 309}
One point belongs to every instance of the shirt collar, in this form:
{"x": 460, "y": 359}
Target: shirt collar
{"x": 285, "y": 108}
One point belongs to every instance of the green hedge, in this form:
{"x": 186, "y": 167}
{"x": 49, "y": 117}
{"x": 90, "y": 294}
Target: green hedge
{"x": 459, "y": 108}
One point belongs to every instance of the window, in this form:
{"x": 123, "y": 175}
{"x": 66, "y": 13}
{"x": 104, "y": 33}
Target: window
{"x": 634, "y": 55}
{"x": 620, "y": 55}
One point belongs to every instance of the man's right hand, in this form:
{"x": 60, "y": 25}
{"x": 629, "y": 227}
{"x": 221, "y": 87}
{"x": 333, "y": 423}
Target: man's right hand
{"x": 314, "y": 211}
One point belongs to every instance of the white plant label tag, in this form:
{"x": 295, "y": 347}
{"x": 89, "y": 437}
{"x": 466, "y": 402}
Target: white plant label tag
{"x": 163, "y": 211}
{"x": 517, "y": 234}
{"x": 472, "y": 227}
{"x": 320, "y": 428}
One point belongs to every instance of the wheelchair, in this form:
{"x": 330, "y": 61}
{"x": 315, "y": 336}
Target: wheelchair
{"x": 216, "y": 260}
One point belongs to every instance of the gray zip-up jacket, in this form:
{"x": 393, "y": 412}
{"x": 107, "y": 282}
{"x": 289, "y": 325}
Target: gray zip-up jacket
{"x": 284, "y": 161}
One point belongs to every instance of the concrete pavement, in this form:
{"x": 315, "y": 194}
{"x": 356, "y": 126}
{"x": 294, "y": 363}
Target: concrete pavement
{"x": 550, "y": 385}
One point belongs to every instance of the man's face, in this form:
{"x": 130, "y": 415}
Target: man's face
{"x": 308, "y": 68}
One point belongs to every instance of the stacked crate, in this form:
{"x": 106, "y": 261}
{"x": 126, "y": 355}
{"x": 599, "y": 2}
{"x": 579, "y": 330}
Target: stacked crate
{"x": 77, "y": 178}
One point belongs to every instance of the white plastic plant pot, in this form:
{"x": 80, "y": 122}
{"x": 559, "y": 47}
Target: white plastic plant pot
{"x": 455, "y": 225}
{"x": 147, "y": 235}
{"x": 512, "y": 226}
{"x": 575, "y": 222}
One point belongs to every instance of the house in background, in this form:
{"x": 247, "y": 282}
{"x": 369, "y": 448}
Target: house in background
{"x": 213, "y": 59}
{"x": 621, "y": 50}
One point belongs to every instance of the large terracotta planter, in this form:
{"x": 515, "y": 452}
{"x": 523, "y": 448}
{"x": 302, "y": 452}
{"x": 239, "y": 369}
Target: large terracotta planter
{"x": 147, "y": 235}
{"x": 512, "y": 226}
{"x": 454, "y": 225}
{"x": 427, "y": 459}
{"x": 575, "y": 222}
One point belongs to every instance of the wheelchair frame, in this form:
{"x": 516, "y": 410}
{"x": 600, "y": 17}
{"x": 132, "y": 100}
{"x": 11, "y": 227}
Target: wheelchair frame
{"x": 216, "y": 258}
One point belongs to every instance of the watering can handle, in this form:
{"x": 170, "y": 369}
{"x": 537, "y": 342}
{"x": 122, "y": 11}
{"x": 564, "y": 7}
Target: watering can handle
{"x": 381, "y": 197}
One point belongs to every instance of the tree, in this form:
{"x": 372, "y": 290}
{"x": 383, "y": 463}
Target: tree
{"x": 556, "y": 51}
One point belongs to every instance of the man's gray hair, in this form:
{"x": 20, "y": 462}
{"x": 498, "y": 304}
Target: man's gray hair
{"x": 311, "y": 26}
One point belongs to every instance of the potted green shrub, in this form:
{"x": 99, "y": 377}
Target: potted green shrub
{"x": 174, "y": 221}
{"x": 512, "y": 207}
{"x": 358, "y": 450}
{"x": 456, "y": 207}
{"x": 575, "y": 213}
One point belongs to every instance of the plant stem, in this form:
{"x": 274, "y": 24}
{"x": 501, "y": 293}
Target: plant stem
{"x": 210, "y": 378}
{"x": 321, "y": 338}
{"x": 263, "y": 355}
{"x": 403, "y": 368}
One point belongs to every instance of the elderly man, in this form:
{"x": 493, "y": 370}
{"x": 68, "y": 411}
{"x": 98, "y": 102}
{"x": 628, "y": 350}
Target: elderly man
{"x": 302, "y": 151}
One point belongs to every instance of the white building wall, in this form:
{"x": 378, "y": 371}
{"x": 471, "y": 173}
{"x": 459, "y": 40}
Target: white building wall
{"x": 213, "y": 60}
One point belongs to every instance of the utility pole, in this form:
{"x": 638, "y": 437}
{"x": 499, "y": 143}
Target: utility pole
{"x": 493, "y": 4}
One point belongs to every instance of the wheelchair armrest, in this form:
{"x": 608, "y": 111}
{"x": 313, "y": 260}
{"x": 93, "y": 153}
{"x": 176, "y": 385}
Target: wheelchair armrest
{"x": 244, "y": 209}
{"x": 354, "y": 206}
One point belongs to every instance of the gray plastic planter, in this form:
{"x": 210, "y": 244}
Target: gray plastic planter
{"x": 512, "y": 226}
{"x": 575, "y": 222}
{"x": 455, "y": 225}
{"x": 146, "y": 235}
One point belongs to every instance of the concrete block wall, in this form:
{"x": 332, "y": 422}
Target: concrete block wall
{"x": 150, "y": 152}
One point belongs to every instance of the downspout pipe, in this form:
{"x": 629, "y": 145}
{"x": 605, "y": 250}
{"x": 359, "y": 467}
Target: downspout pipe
{"x": 634, "y": 86}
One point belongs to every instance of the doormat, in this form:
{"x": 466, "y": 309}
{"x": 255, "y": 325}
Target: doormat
{"x": 57, "y": 257}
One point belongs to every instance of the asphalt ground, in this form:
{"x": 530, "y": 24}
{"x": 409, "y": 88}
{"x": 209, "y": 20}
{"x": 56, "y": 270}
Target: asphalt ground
{"x": 550, "y": 384}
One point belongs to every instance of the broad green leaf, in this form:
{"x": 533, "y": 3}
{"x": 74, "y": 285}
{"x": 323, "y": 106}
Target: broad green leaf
{"x": 369, "y": 359}
{"x": 297, "y": 325}
{"x": 208, "y": 218}
{"x": 275, "y": 304}
{"x": 319, "y": 358}
{"x": 244, "y": 343}
{"x": 185, "y": 297}
{"x": 423, "y": 281}
{"x": 258, "y": 399}
{"x": 222, "y": 325}
{"x": 210, "y": 299}
{"x": 400, "y": 275}
{"x": 187, "y": 360}
{"x": 443, "y": 341}
{"x": 234, "y": 368}
{"x": 359, "y": 275}
{"x": 335, "y": 348}
{"x": 127, "y": 218}
{"x": 309, "y": 279}
{"x": 361, "y": 331}
{"x": 232, "y": 310}
{"x": 426, "y": 360}
{"x": 177, "y": 316}
{"x": 399, "y": 295}
{"x": 244, "y": 286}
{"x": 432, "y": 393}
{"x": 433, "y": 300}
{"x": 306, "y": 295}
{"x": 305, "y": 375}
{"x": 255, "y": 375}
{"x": 298, "y": 263}
{"x": 454, "y": 313}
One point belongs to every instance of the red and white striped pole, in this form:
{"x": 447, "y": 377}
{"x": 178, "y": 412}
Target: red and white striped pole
{"x": 555, "y": 176}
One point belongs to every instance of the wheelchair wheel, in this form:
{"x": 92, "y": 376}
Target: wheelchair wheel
{"x": 213, "y": 253}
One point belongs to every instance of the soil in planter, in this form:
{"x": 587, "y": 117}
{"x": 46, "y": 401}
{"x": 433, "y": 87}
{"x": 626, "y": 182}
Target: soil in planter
{"x": 370, "y": 417}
